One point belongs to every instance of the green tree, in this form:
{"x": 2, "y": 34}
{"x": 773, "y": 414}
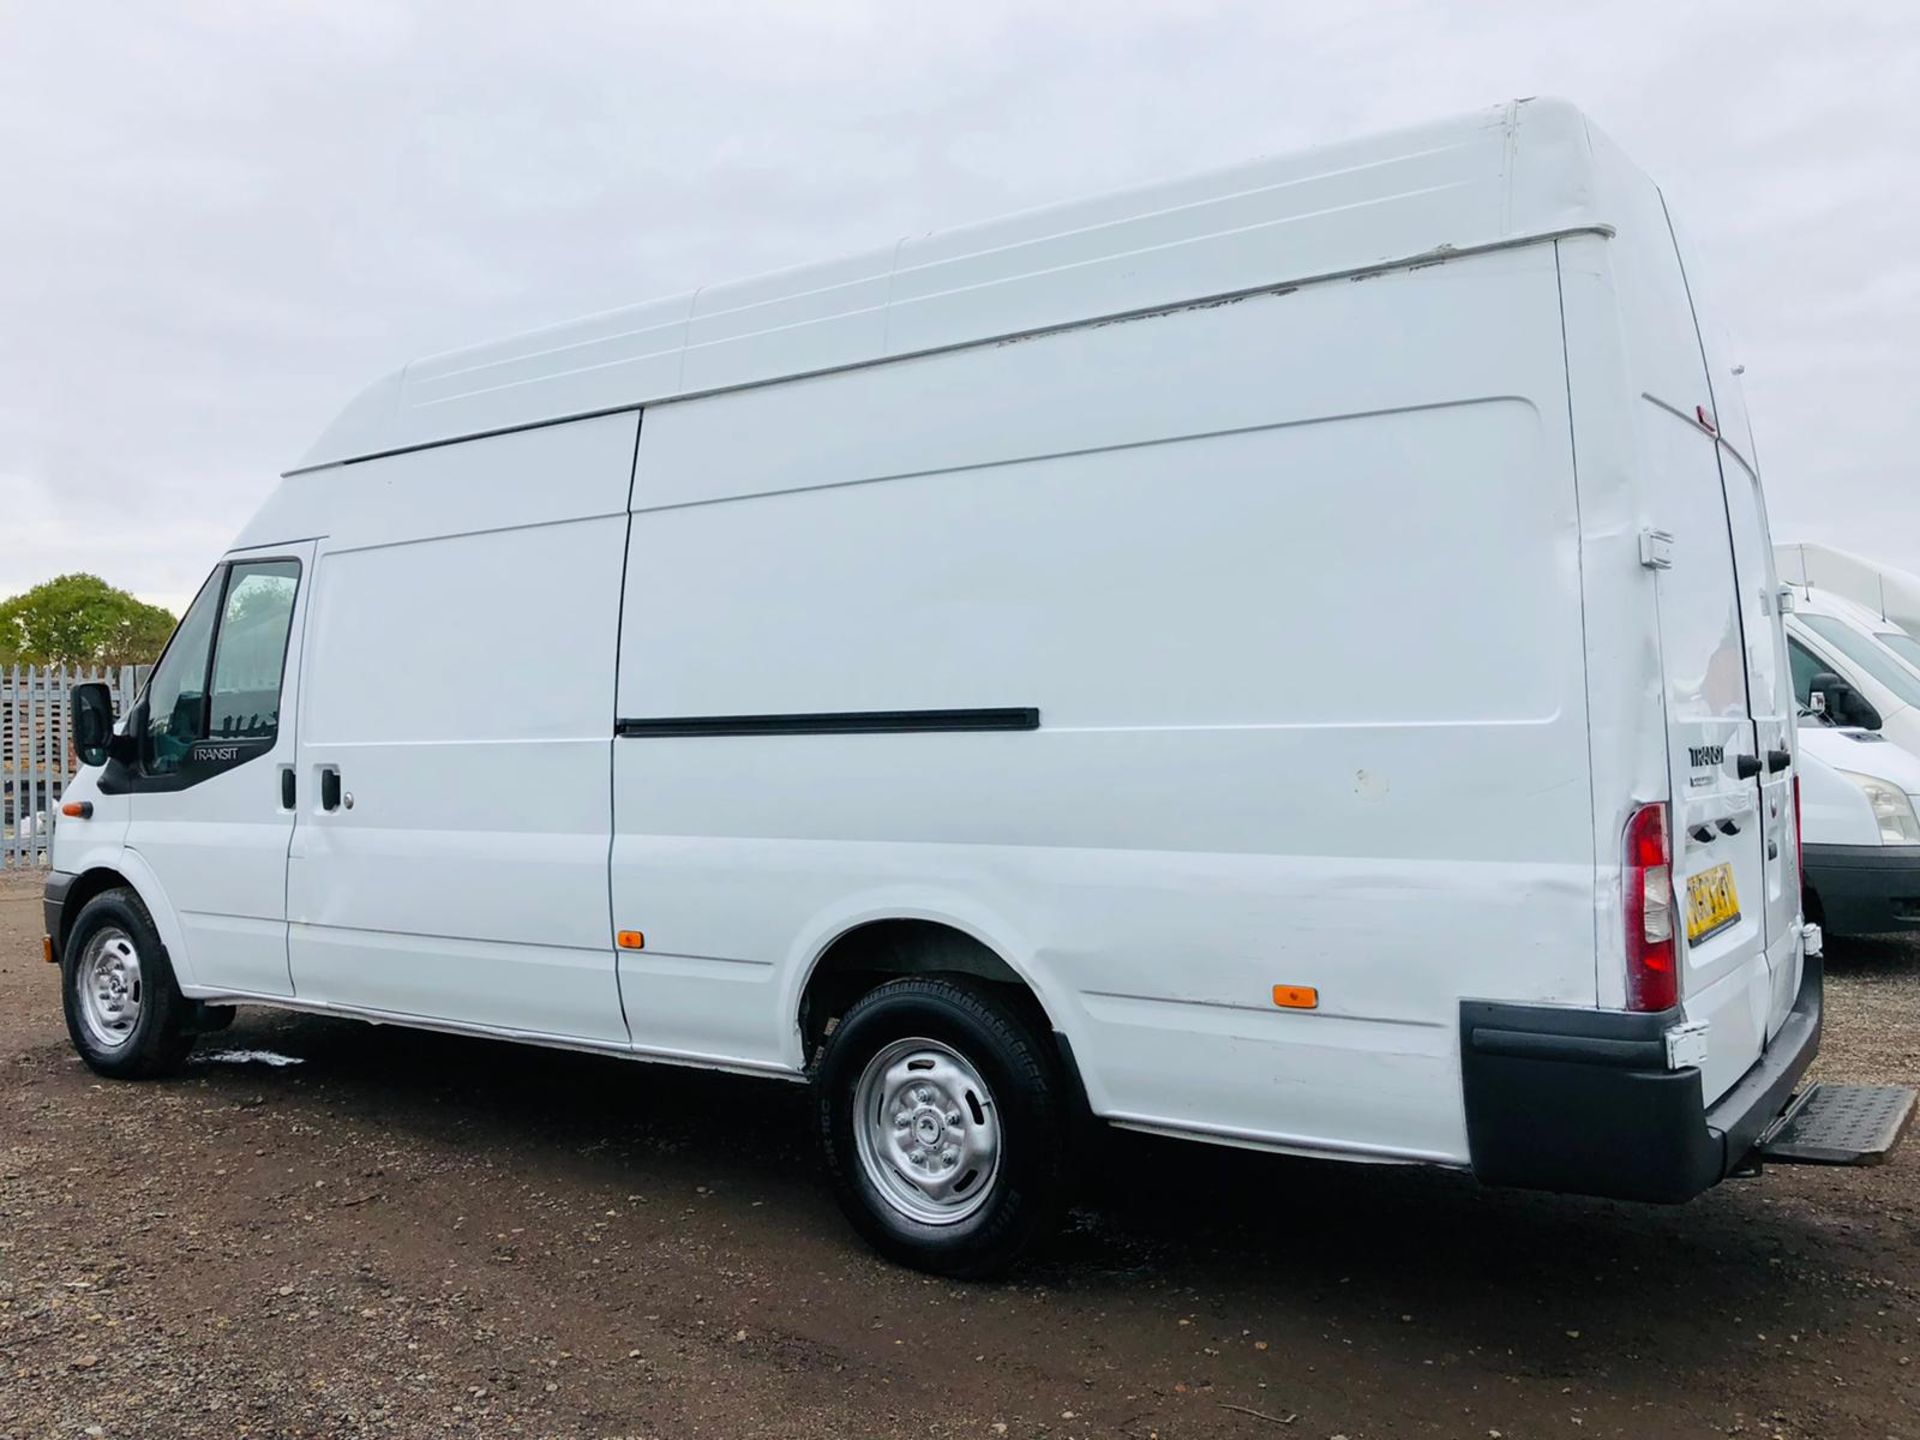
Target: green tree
{"x": 81, "y": 620}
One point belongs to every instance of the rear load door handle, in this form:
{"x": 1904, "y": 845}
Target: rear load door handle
{"x": 1778, "y": 760}
{"x": 1704, "y": 834}
{"x": 1746, "y": 766}
{"x": 286, "y": 788}
{"x": 329, "y": 789}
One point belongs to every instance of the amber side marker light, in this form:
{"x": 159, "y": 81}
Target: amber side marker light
{"x": 630, "y": 940}
{"x": 46, "y": 949}
{"x": 1296, "y": 997}
{"x": 78, "y": 809}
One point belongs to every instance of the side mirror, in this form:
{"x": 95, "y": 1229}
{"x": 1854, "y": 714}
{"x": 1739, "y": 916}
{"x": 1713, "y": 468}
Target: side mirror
{"x": 92, "y": 722}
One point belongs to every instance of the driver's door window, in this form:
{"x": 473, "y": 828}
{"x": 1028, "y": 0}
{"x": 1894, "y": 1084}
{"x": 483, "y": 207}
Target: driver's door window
{"x": 177, "y": 689}
{"x": 1805, "y": 665}
{"x": 252, "y": 652}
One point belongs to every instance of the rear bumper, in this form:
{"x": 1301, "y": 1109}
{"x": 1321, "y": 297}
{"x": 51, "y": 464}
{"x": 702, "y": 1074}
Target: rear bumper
{"x": 1582, "y": 1101}
{"x": 1865, "y": 889}
{"x": 53, "y": 900}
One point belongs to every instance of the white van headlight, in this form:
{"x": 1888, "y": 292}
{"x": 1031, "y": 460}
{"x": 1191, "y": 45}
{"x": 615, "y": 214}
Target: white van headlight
{"x": 1894, "y": 811}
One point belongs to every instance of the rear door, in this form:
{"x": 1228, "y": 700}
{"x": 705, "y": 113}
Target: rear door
{"x": 1769, "y": 683}
{"x": 1720, "y": 875}
{"x": 1770, "y": 701}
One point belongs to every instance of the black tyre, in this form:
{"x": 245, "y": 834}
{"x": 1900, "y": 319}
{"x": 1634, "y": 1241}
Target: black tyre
{"x": 125, "y": 1014}
{"x": 947, "y": 1125}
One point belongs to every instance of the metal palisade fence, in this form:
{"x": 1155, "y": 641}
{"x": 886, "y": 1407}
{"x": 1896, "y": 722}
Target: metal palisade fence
{"x": 36, "y": 750}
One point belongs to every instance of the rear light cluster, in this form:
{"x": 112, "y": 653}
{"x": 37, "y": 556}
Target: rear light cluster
{"x": 1653, "y": 976}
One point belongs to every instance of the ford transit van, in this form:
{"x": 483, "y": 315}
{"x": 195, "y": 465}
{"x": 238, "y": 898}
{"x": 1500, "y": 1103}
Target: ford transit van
{"x": 893, "y": 676}
{"x": 1861, "y": 830}
{"x": 1852, "y": 668}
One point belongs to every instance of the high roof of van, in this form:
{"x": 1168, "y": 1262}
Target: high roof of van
{"x": 1886, "y": 592}
{"x": 1522, "y": 172}
{"x": 1815, "y": 600}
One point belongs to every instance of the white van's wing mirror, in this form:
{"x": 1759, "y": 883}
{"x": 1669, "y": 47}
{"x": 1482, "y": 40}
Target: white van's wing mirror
{"x": 90, "y": 721}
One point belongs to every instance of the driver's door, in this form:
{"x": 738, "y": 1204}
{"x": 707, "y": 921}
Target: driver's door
{"x": 211, "y": 811}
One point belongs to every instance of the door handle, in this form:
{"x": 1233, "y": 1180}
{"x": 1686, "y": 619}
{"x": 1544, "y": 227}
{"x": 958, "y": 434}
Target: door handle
{"x": 1746, "y": 766}
{"x": 329, "y": 789}
{"x": 1778, "y": 760}
{"x": 286, "y": 788}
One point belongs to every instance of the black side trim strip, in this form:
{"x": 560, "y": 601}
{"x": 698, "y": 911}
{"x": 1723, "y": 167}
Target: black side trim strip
{"x": 835, "y": 722}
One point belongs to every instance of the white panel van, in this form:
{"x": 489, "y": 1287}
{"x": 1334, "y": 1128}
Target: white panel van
{"x": 914, "y": 696}
{"x": 1853, "y": 667}
{"x": 1860, "y": 821}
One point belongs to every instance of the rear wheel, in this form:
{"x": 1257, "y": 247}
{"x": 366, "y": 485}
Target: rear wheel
{"x": 946, "y": 1125}
{"x": 124, "y": 1012}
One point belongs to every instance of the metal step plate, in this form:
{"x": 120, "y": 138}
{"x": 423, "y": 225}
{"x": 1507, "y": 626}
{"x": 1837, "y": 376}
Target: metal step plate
{"x": 1839, "y": 1125}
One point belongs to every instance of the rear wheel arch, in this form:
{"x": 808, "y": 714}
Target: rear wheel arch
{"x": 864, "y": 956}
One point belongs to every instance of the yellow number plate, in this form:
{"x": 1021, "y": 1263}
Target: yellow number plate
{"x": 1712, "y": 903}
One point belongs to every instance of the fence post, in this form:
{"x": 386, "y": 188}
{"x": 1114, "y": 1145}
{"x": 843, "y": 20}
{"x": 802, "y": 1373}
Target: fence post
{"x": 36, "y": 751}
{"x": 9, "y": 725}
{"x": 43, "y": 732}
{"x": 36, "y": 759}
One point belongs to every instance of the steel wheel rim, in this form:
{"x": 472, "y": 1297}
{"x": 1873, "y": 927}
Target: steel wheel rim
{"x": 921, "y": 1098}
{"x": 110, "y": 992}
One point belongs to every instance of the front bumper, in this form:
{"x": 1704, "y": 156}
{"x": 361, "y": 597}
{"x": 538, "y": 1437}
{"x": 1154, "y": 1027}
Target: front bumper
{"x": 53, "y": 901}
{"x": 1582, "y": 1101}
{"x": 1865, "y": 889}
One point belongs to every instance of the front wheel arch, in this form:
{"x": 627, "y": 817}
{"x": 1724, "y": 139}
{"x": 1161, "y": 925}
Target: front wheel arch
{"x": 86, "y": 885}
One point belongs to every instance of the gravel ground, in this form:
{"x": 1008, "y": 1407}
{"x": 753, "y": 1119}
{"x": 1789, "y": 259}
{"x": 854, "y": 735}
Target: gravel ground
{"x": 413, "y": 1235}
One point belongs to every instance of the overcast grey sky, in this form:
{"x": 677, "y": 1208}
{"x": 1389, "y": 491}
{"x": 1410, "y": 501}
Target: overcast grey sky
{"x": 218, "y": 221}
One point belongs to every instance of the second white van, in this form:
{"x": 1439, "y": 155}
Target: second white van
{"x": 1852, "y": 666}
{"x": 893, "y": 676}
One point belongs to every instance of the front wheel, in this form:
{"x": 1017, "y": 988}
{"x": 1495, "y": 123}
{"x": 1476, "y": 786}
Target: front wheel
{"x": 946, "y": 1126}
{"x": 125, "y": 1014}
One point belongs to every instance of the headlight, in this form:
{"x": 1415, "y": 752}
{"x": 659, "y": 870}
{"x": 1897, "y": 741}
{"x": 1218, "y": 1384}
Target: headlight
{"x": 1894, "y": 811}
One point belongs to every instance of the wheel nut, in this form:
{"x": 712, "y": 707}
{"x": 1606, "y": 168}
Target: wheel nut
{"x": 919, "y": 1157}
{"x": 950, "y": 1158}
{"x": 923, "y": 1094}
{"x": 900, "y": 1119}
{"x": 953, "y": 1117}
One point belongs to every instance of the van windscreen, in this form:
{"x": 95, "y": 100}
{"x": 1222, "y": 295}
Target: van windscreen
{"x": 1869, "y": 655}
{"x": 1902, "y": 644}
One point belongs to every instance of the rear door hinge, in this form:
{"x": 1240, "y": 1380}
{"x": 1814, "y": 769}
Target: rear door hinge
{"x": 1687, "y": 1044}
{"x": 1656, "y": 549}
